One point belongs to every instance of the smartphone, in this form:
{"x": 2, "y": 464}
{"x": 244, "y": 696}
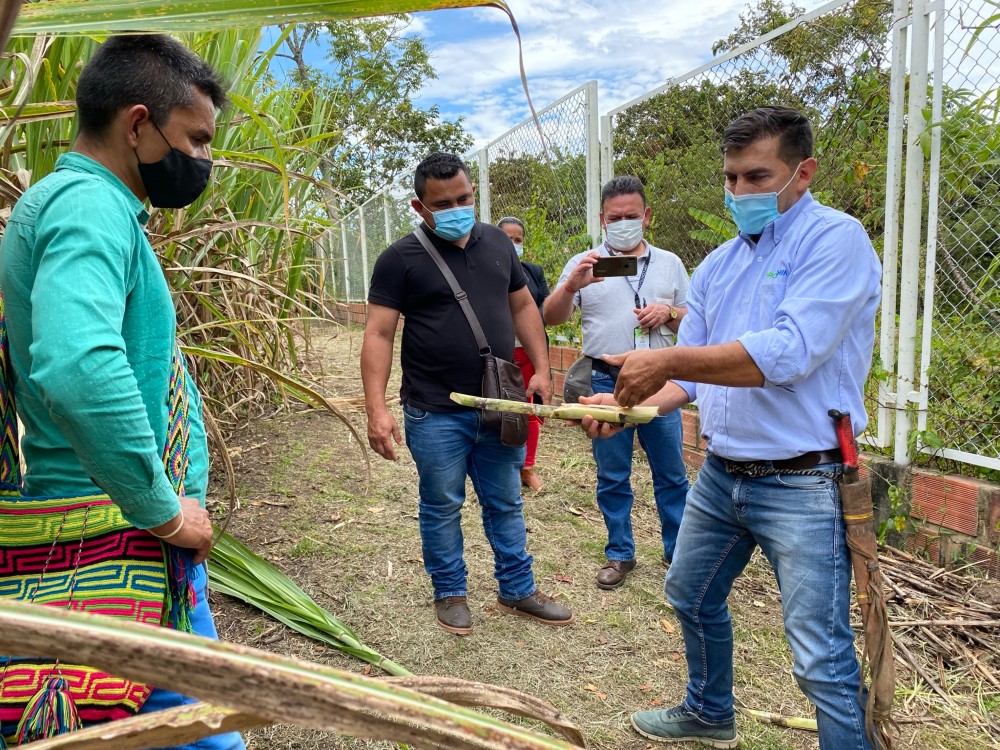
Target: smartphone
{"x": 616, "y": 265}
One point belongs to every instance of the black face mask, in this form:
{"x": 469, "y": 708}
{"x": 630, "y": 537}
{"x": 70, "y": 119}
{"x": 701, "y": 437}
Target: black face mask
{"x": 176, "y": 180}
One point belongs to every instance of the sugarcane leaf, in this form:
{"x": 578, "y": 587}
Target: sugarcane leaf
{"x": 117, "y": 16}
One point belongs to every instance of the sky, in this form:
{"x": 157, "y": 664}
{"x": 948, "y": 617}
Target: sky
{"x": 628, "y": 46}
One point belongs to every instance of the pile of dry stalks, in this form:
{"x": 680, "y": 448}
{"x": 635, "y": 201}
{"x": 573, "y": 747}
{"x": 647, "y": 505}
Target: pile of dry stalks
{"x": 946, "y": 631}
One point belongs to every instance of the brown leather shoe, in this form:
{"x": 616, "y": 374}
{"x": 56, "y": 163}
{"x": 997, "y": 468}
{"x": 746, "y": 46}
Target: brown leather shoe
{"x": 539, "y": 607}
{"x": 530, "y": 479}
{"x": 453, "y": 615}
{"x": 613, "y": 574}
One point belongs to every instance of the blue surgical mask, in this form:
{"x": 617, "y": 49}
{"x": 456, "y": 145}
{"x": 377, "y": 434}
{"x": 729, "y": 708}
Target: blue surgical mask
{"x": 453, "y": 223}
{"x": 519, "y": 249}
{"x": 754, "y": 211}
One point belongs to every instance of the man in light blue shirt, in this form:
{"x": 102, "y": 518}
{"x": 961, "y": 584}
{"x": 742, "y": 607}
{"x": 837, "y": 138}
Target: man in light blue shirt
{"x": 780, "y": 329}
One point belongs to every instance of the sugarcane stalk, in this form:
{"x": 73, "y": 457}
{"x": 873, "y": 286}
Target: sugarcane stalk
{"x": 768, "y": 717}
{"x": 615, "y": 414}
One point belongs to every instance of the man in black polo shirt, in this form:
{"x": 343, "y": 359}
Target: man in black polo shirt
{"x": 440, "y": 355}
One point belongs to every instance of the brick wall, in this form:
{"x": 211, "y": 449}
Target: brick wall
{"x": 956, "y": 520}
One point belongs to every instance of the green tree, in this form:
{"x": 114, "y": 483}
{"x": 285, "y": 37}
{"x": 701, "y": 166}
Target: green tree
{"x": 375, "y": 67}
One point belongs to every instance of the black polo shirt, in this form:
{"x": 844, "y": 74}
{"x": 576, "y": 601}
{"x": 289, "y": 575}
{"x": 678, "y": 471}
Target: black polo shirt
{"x": 439, "y": 352}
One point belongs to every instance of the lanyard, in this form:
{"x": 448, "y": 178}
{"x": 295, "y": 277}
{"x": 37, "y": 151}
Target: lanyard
{"x": 642, "y": 278}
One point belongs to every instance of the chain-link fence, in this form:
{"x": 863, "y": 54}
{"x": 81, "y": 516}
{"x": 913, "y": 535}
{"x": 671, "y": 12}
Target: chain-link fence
{"x": 830, "y": 64}
{"x": 353, "y": 243}
{"x": 903, "y": 98}
{"x": 959, "y": 401}
{"x": 546, "y": 173}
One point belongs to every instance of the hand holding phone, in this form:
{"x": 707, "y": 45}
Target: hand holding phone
{"x": 616, "y": 265}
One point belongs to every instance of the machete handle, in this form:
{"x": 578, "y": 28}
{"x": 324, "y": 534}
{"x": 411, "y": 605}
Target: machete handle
{"x": 845, "y": 439}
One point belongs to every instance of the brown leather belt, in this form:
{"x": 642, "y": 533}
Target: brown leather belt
{"x": 805, "y": 461}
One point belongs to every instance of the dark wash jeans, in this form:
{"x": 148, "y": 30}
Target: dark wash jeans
{"x": 447, "y": 448}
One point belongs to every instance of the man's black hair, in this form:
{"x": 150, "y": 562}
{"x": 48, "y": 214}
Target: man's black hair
{"x": 439, "y": 166}
{"x": 626, "y": 184}
{"x": 152, "y": 69}
{"x": 793, "y": 129}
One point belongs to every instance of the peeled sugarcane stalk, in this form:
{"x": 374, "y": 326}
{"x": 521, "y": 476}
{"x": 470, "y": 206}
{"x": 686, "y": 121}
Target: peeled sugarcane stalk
{"x": 615, "y": 414}
{"x": 768, "y": 717}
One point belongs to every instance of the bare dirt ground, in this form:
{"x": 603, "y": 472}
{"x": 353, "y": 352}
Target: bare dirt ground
{"x": 354, "y": 546}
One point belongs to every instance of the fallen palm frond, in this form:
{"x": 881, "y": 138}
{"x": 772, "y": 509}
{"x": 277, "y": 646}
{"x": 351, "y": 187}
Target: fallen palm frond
{"x": 167, "y": 728}
{"x": 262, "y": 685}
{"x": 236, "y": 571}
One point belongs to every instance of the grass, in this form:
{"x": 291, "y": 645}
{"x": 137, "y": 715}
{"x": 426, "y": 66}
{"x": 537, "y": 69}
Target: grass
{"x": 618, "y": 657}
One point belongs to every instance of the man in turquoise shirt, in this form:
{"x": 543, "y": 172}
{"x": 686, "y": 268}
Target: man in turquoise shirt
{"x": 90, "y": 320}
{"x": 780, "y": 329}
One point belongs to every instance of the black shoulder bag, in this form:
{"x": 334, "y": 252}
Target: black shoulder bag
{"x": 501, "y": 379}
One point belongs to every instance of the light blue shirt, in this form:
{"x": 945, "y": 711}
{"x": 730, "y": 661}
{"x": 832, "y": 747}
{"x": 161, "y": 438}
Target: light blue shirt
{"x": 802, "y": 301}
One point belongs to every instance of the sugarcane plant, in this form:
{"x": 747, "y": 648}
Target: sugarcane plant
{"x": 237, "y": 259}
{"x": 250, "y": 688}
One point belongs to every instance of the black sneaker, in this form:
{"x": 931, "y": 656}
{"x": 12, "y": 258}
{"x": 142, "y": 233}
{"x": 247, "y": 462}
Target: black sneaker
{"x": 679, "y": 725}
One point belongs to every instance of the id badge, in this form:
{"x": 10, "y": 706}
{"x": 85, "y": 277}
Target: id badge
{"x": 640, "y": 338}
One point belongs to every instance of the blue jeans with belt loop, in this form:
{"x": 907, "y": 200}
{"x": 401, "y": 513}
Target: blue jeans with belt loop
{"x": 797, "y": 522}
{"x": 446, "y": 448}
{"x": 160, "y": 698}
{"x": 661, "y": 439}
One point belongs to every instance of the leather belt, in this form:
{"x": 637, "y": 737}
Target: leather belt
{"x": 599, "y": 365}
{"x": 805, "y": 461}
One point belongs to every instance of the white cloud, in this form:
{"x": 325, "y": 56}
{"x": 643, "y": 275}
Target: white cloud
{"x": 628, "y": 47}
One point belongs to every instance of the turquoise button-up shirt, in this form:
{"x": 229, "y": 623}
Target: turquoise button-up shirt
{"x": 91, "y": 328}
{"x": 802, "y": 301}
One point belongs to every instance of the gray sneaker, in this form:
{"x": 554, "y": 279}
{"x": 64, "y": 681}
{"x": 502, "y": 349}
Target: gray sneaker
{"x": 679, "y": 725}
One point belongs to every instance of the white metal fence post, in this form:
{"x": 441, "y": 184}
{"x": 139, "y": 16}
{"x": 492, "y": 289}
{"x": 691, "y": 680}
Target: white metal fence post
{"x": 913, "y": 198}
{"x": 485, "y": 209}
{"x": 607, "y": 150}
{"x": 347, "y": 265}
{"x": 364, "y": 256}
{"x": 933, "y": 192}
{"x": 593, "y": 165}
{"x": 890, "y": 237}
{"x": 388, "y": 222}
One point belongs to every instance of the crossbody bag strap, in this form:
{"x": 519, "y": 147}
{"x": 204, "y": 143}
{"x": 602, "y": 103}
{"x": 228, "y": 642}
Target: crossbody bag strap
{"x": 460, "y": 295}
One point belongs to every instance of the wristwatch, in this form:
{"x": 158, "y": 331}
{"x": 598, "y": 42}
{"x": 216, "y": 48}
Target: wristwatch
{"x": 673, "y": 312}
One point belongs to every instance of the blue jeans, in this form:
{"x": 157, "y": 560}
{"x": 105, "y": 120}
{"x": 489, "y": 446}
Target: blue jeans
{"x": 797, "y": 522}
{"x": 159, "y": 699}
{"x": 662, "y": 441}
{"x": 446, "y": 448}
